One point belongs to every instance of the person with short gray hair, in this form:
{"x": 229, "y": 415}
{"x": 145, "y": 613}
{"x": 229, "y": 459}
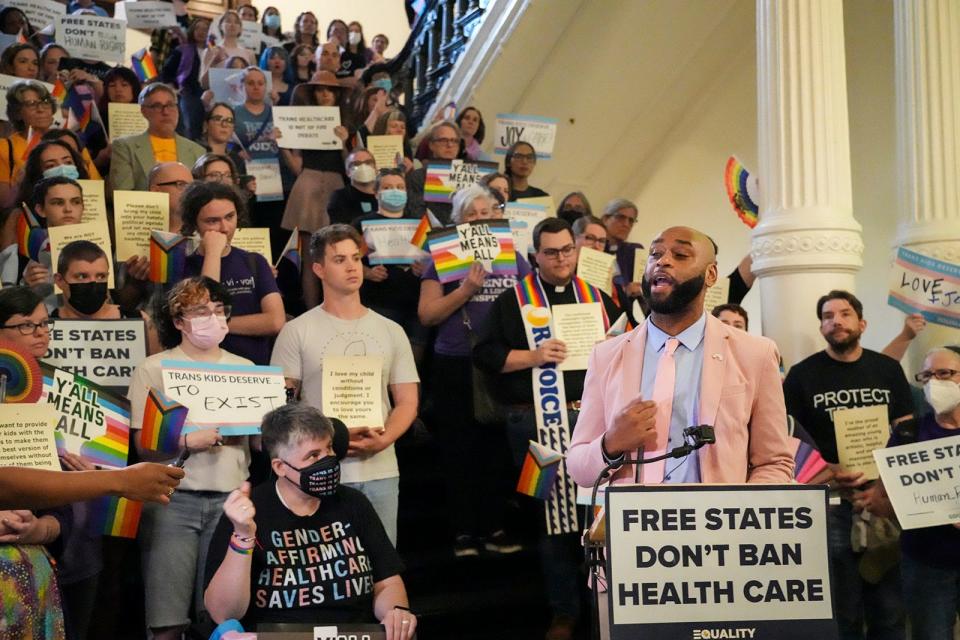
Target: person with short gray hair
{"x": 619, "y": 217}
{"x": 466, "y": 200}
{"x": 444, "y": 145}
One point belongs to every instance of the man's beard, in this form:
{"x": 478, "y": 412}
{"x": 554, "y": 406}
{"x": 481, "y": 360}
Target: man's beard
{"x": 846, "y": 345}
{"x": 677, "y": 300}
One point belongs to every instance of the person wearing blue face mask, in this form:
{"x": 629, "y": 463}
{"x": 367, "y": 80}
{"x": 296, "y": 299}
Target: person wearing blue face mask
{"x": 272, "y": 25}
{"x": 261, "y": 533}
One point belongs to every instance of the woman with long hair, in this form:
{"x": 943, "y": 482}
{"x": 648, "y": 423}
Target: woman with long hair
{"x": 276, "y": 61}
{"x": 304, "y": 31}
{"x": 20, "y": 61}
{"x": 181, "y": 69}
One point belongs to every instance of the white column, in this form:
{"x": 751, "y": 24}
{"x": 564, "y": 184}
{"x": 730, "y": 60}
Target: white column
{"x": 927, "y": 36}
{"x": 807, "y": 241}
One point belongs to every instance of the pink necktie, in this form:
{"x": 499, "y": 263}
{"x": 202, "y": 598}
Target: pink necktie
{"x": 663, "y": 395}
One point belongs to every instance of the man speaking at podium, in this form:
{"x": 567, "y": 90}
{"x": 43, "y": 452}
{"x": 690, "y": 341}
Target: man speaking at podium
{"x": 682, "y": 367}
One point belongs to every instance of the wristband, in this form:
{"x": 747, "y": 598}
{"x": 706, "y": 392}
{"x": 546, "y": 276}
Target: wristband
{"x": 185, "y": 445}
{"x": 397, "y": 606}
{"x": 244, "y": 551}
{"x": 242, "y": 539}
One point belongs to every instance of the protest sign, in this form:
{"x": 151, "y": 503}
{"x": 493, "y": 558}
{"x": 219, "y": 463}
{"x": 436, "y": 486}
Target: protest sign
{"x": 446, "y": 177}
{"x": 387, "y": 151}
{"x": 92, "y": 422}
{"x": 146, "y": 14}
{"x": 580, "y": 327}
{"x": 596, "y": 268}
{"x": 352, "y": 390}
{"x": 254, "y": 240}
{"x": 539, "y": 132}
{"x": 93, "y": 37}
{"x": 125, "y": 120}
{"x": 266, "y": 174}
{"x": 489, "y": 242}
{"x": 95, "y": 232}
{"x": 861, "y": 431}
{"x": 700, "y": 561}
{"x": 227, "y": 85}
{"x": 103, "y": 351}
{"x": 250, "y": 36}
{"x": 5, "y": 83}
{"x": 94, "y": 201}
{"x": 41, "y": 13}
{"x": 523, "y": 218}
{"x": 716, "y": 295}
{"x": 135, "y": 215}
{"x": 541, "y": 201}
{"x": 26, "y": 436}
{"x": 924, "y": 285}
{"x": 231, "y": 397}
{"x": 307, "y": 127}
{"x": 388, "y": 241}
{"x": 921, "y": 481}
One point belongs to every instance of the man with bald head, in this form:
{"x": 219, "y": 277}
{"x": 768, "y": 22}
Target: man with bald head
{"x": 171, "y": 178}
{"x": 682, "y": 367}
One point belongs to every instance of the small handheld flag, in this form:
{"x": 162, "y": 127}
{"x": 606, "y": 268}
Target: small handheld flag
{"x": 115, "y": 516}
{"x": 168, "y": 256}
{"x": 291, "y": 251}
{"x": 739, "y": 184}
{"x": 419, "y": 239}
{"x": 539, "y": 472}
{"x": 163, "y": 421}
{"x": 31, "y": 238}
{"x": 143, "y": 66}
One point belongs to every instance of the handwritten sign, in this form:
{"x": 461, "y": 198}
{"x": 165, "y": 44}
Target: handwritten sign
{"x": 41, "y": 13}
{"x": 489, "y": 242}
{"x": 924, "y": 285}
{"x": 103, "y": 351}
{"x": 540, "y": 132}
{"x": 94, "y": 201}
{"x": 231, "y": 397}
{"x": 716, "y": 295}
{"x": 26, "y": 436}
{"x": 125, "y": 119}
{"x": 146, "y": 14}
{"x": 921, "y": 481}
{"x": 387, "y": 151}
{"x": 523, "y": 217}
{"x": 95, "y": 232}
{"x": 92, "y": 422}
{"x": 580, "y": 327}
{"x": 388, "y": 241}
{"x": 269, "y": 183}
{"x": 136, "y": 214}
{"x": 711, "y": 561}
{"x": 596, "y": 267}
{"x": 860, "y": 432}
{"x": 352, "y": 390}
{"x": 5, "y": 83}
{"x": 254, "y": 240}
{"x": 445, "y": 178}
{"x": 307, "y": 127}
{"x": 93, "y": 37}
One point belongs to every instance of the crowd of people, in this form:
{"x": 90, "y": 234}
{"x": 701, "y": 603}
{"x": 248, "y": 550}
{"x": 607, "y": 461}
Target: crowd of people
{"x": 253, "y": 522}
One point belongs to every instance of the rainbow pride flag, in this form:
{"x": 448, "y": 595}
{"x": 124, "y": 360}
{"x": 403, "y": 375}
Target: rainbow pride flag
{"x": 445, "y": 177}
{"x": 419, "y": 239}
{"x": 739, "y": 184}
{"x": 115, "y": 516}
{"x": 291, "y": 251}
{"x": 539, "y": 472}
{"x": 31, "y": 238}
{"x": 168, "y": 256}
{"x": 163, "y": 421}
{"x": 143, "y": 66}
{"x": 59, "y": 90}
{"x": 489, "y": 242}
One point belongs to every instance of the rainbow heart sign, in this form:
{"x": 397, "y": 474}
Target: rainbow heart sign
{"x": 489, "y": 242}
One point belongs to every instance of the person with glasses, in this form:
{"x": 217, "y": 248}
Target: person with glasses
{"x": 503, "y": 351}
{"x": 444, "y": 145}
{"x": 192, "y": 322}
{"x": 30, "y": 109}
{"x": 619, "y": 217}
{"x": 358, "y": 198}
{"x": 590, "y": 232}
{"x": 518, "y": 165}
{"x": 845, "y": 375}
{"x": 171, "y": 178}
{"x": 215, "y": 167}
{"x": 134, "y": 156}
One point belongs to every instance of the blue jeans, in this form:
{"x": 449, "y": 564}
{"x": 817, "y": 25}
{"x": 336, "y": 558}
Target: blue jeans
{"x": 857, "y": 602}
{"x": 932, "y": 598}
{"x": 384, "y": 495}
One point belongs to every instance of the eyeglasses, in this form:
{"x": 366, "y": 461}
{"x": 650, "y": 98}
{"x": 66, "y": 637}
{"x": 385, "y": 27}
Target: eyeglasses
{"x": 179, "y": 184}
{"x": 529, "y": 157}
{"x": 206, "y": 312}
{"x": 37, "y": 104}
{"x": 447, "y": 141}
{"x": 940, "y": 374}
{"x": 221, "y": 119}
{"x": 218, "y": 176}
{"x": 619, "y": 217}
{"x": 29, "y": 328}
{"x": 163, "y": 108}
{"x": 553, "y": 254}
{"x": 592, "y": 239}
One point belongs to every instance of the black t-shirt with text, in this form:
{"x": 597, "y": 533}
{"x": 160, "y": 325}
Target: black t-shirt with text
{"x": 319, "y": 568}
{"x": 819, "y": 385}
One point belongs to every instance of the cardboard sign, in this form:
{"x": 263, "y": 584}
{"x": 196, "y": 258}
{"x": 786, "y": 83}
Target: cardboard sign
{"x": 254, "y": 240}
{"x": 92, "y": 422}
{"x": 716, "y": 295}
{"x": 924, "y": 285}
{"x": 307, "y": 127}
{"x": 540, "y": 132}
{"x": 269, "y": 182}
{"x": 146, "y": 14}
{"x": 93, "y": 37}
{"x": 523, "y": 217}
{"x": 596, "y": 267}
{"x": 388, "y": 241}
{"x": 489, "y": 242}
{"x": 5, "y": 83}
{"x": 445, "y": 178}
{"x": 135, "y": 214}
{"x": 387, "y": 151}
{"x": 860, "y": 432}
{"x": 41, "y": 13}
{"x": 921, "y": 481}
{"x": 95, "y": 232}
{"x": 580, "y": 327}
{"x": 351, "y": 390}
{"x": 26, "y": 436}
{"x": 231, "y": 397}
{"x": 94, "y": 201}
{"x": 103, "y": 351}
{"x": 125, "y": 120}
{"x": 700, "y": 561}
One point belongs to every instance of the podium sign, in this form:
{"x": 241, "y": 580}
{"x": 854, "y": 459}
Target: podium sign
{"x": 718, "y": 561}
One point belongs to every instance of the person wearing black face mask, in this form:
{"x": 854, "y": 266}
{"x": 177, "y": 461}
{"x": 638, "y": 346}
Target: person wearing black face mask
{"x": 83, "y": 271}
{"x": 304, "y": 548}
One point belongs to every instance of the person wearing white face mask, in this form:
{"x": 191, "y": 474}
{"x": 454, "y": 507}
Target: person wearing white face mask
{"x": 359, "y": 197}
{"x": 930, "y": 556}
{"x": 192, "y": 322}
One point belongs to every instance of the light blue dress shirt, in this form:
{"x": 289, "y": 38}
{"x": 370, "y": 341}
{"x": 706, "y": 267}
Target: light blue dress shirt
{"x": 686, "y": 392}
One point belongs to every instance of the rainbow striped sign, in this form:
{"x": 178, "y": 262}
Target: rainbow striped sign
{"x": 445, "y": 178}
{"x": 163, "y": 421}
{"x": 739, "y": 184}
{"x": 168, "y": 256}
{"x": 115, "y": 516}
{"x": 489, "y": 242}
{"x": 539, "y": 473}
{"x": 93, "y": 422}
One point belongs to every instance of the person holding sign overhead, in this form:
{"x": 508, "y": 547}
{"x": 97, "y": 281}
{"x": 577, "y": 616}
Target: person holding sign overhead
{"x": 818, "y": 391}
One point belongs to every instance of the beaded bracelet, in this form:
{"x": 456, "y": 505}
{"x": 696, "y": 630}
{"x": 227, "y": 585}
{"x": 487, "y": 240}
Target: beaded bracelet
{"x": 244, "y": 551}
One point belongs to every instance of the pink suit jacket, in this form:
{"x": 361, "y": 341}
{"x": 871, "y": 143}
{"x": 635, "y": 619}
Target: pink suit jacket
{"x": 741, "y": 396}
